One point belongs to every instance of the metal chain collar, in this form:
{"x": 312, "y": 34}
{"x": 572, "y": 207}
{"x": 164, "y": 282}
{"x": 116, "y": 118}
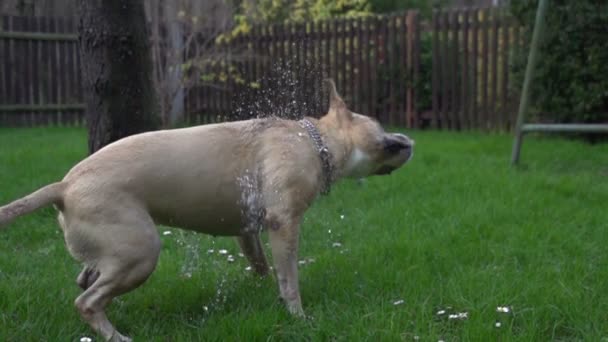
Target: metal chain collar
{"x": 324, "y": 153}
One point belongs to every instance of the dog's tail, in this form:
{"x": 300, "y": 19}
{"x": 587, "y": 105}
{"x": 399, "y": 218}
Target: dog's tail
{"x": 50, "y": 194}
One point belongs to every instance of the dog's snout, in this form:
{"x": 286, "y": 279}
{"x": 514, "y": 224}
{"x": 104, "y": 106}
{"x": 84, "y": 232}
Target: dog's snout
{"x": 407, "y": 140}
{"x": 395, "y": 143}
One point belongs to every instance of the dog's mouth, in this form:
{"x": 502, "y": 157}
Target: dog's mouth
{"x": 397, "y": 161}
{"x": 385, "y": 170}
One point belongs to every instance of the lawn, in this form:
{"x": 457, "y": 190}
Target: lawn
{"x": 456, "y": 231}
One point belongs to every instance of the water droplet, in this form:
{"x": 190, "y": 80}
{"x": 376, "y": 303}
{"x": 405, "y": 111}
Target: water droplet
{"x": 459, "y": 316}
{"x": 250, "y": 202}
{"x": 503, "y": 309}
{"x": 191, "y": 242}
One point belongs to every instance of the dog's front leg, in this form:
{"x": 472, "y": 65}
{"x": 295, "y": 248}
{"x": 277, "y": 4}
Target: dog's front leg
{"x": 284, "y": 245}
{"x": 252, "y": 249}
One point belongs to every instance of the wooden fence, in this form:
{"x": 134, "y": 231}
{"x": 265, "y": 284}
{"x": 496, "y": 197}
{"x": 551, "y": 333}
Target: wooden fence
{"x": 372, "y": 60}
{"x": 40, "y": 80}
{"x": 382, "y": 65}
{"x": 472, "y": 85}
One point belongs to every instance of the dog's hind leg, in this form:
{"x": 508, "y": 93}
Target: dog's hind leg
{"x": 120, "y": 255}
{"x": 118, "y": 273}
{"x": 252, "y": 248}
{"x": 91, "y": 304}
{"x": 87, "y": 277}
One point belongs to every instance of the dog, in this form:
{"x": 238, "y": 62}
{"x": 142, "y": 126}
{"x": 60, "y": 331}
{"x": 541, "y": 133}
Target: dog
{"x": 225, "y": 179}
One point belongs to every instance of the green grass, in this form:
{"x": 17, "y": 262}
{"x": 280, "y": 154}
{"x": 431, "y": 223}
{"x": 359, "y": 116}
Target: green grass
{"x": 456, "y": 228}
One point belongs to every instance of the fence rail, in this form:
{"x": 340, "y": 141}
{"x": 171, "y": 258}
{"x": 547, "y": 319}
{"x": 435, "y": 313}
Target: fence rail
{"x": 382, "y": 65}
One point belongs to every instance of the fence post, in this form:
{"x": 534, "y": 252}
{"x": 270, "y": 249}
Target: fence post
{"x": 358, "y": 63}
{"x": 454, "y": 48}
{"x": 435, "y": 69}
{"x": 474, "y": 68}
{"x": 496, "y": 121}
{"x": 375, "y": 47}
{"x": 466, "y": 73}
{"x": 416, "y": 68}
{"x": 485, "y": 28}
{"x": 389, "y": 34}
{"x": 413, "y": 60}
{"x": 506, "y": 28}
{"x": 446, "y": 120}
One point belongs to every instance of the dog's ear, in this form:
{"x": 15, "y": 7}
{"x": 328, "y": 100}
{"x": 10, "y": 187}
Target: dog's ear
{"x": 337, "y": 106}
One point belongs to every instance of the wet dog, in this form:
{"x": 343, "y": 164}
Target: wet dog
{"x": 228, "y": 179}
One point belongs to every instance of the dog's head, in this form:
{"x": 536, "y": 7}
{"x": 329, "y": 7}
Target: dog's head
{"x": 371, "y": 150}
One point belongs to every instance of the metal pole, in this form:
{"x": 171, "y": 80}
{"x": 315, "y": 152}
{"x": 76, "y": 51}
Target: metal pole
{"x": 525, "y": 94}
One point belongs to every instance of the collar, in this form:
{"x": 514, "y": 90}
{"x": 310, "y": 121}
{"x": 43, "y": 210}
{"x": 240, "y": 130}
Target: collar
{"x": 324, "y": 153}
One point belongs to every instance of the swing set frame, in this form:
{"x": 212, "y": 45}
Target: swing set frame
{"x": 521, "y": 127}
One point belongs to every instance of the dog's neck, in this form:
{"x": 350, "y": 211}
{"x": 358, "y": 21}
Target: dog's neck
{"x": 324, "y": 154}
{"x": 338, "y": 145}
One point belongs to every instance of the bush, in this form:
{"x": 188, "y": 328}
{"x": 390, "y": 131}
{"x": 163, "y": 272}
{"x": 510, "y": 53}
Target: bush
{"x": 571, "y": 83}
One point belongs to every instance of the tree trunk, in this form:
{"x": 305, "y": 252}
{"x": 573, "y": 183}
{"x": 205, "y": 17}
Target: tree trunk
{"x": 176, "y": 44}
{"x": 117, "y": 70}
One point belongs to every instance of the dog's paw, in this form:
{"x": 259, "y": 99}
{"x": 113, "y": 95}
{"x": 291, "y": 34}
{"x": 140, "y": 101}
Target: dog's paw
{"x": 296, "y": 310}
{"x": 118, "y": 337}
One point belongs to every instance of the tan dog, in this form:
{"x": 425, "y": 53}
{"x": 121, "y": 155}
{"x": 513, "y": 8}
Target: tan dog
{"x": 221, "y": 179}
